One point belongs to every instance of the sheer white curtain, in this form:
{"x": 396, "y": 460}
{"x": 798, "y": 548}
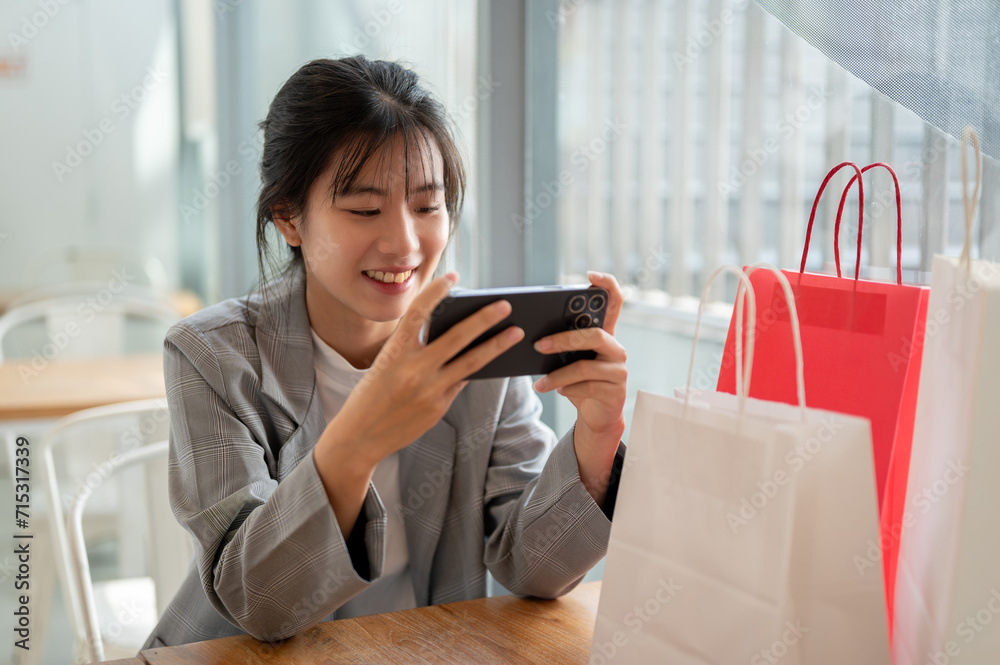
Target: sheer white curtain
{"x": 941, "y": 60}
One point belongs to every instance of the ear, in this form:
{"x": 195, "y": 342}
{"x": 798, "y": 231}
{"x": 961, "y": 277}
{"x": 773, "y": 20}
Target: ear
{"x": 287, "y": 225}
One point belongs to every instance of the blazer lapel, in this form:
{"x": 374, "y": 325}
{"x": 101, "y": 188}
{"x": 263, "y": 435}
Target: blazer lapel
{"x": 425, "y": 470}
{"x": 285, "y": 343}
{"x": 302, "y": 441}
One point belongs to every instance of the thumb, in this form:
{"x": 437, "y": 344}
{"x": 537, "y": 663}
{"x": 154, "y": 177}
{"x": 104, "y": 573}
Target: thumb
{"x": 408, "y": 331}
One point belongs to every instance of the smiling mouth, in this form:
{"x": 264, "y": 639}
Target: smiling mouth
{"x": 389, "y": 277}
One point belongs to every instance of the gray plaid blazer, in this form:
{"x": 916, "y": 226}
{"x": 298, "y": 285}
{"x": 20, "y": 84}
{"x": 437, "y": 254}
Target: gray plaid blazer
{"x": 488, "y": 487}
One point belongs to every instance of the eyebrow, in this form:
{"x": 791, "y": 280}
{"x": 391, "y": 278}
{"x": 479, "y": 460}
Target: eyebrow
{"x": 378, "y": 191}
{"x": 433, "y": 186}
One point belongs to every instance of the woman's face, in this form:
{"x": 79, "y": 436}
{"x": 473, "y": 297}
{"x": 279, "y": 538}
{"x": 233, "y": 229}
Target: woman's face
{"x": 370, "y": 251}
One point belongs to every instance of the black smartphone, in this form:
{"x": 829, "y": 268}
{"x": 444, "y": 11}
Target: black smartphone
{"x": 538, "y": 310}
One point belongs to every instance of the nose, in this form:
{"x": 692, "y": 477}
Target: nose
{"x": 400, "y": 238}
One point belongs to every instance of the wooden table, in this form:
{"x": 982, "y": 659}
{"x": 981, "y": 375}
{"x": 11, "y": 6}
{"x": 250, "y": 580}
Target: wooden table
{"x": 64, "y": 386}
{"x": 498, "y": 630}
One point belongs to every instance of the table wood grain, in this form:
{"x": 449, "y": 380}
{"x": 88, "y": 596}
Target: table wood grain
{"x": 500, "y": 630}
{"x": 64, "y": 386}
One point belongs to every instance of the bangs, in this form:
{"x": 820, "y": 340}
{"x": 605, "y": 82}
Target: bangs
{"x": 377, "y": 146}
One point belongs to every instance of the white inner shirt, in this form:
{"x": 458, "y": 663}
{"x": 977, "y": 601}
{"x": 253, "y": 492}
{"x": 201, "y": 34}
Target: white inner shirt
{"x": 335, "y": 379}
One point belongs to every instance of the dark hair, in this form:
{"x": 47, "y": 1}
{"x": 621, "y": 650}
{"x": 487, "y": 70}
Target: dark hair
{"x": 352, "y": 108}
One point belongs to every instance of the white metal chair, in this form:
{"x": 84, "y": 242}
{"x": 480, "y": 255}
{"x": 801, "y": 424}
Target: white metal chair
{"x": 79, "y": 468}
{"x": 82, "y": 325}
{"x": 96, "y": 264}
{"x": 75, "y": 321}
{"x": 84, "y": 288}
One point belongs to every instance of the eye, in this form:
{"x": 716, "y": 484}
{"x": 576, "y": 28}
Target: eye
{"x": 365, "y": 213}
{"x": 428, "y": 209}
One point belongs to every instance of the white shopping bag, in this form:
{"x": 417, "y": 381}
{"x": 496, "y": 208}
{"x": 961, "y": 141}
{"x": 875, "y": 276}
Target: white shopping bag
{"x": 735, "y": 531}
{"x": 947, "y": 609}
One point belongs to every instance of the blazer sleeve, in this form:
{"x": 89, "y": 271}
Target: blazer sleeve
{"x": 272, "y": 557}
{"x": 544, "y": 530}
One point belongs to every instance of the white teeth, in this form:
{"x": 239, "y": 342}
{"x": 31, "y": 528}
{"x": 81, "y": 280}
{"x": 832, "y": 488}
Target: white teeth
{"x": 389, "y": 277}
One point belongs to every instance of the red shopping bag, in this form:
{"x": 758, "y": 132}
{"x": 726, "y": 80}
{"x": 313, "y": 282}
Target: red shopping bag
{"x": 862, "y": 343}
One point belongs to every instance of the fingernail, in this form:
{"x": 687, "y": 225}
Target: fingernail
{"x": 452, "y": 277}
{"x": 540, "y": 384}
{"x": 514, "y": 333}
{"x": 543, "y": 345}
{"x": 593, "y": 274}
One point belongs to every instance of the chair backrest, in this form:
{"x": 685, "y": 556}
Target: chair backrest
{"x": 85, "y": 325}
{"x": 137, "y": 445}
{"x": 76, "y": 264}
{"x": 85, "y": 289}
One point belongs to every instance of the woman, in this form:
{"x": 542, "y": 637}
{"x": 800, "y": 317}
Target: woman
{"x": 327, "y": 462}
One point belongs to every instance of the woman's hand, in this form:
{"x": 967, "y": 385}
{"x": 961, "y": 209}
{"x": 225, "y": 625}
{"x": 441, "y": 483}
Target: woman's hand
{"x": 408, "y": 389}
{"x": 595, "y": 387}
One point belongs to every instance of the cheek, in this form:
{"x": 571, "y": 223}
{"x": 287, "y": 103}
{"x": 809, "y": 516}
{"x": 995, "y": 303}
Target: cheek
{"x": 444, "y": 231}
{"x": 321, "y": 250}
{"x": 433, "y": 239}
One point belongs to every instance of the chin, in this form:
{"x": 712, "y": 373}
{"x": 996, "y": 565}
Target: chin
{"x": 384, "y": 316}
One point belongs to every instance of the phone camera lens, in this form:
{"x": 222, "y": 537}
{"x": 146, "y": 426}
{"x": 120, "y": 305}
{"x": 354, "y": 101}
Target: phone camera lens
{"x": 583, "y": 321}
{"x": 596, "y": 303}
{"x": 577, "y": 304}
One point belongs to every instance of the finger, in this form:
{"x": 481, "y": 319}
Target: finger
{"x": 480, "y": 355}
{"x": 454, "y": 390}
{"x": 581, "y": 371}
{"x": 585, "y": 339}
{"x": 408, "y": 330}
{"x": 616, "y": 298}
{"x": 463, "y": 333}
{"x": 605, "y": 393}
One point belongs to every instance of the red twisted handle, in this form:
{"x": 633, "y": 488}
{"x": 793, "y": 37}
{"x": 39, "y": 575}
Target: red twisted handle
{"x": 899, "y": 225}
{"x": 812, "y": 215}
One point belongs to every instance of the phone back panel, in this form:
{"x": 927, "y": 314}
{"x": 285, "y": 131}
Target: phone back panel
{"x": 539, "y": 311}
